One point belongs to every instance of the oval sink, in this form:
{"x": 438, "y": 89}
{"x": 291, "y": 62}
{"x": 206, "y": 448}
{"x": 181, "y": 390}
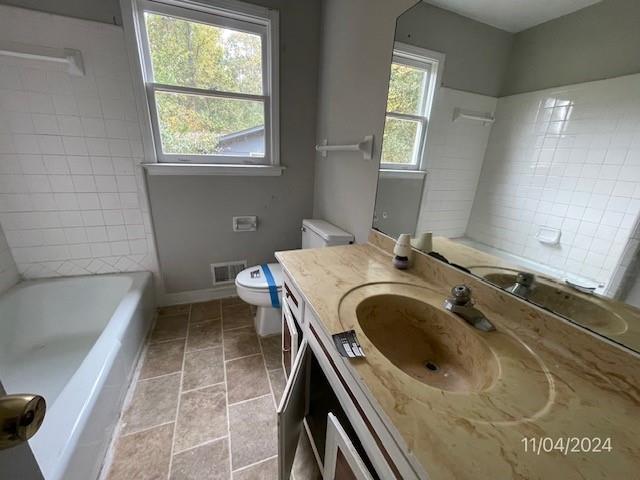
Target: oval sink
{"x": 577, "y": 307}
{"x": 416, "y": 351}
{"x": 428, "y": 344}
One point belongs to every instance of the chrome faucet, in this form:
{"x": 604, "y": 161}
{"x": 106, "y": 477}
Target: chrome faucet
{"x": 524, "y": 285}
{"x": 461, "y": 304}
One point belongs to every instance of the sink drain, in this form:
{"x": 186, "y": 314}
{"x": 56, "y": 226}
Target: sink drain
{"x": 431, "y": 366}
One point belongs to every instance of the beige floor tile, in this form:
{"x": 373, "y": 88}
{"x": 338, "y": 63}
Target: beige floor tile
{"x": 143, "y": 455}
{"x": 208, "y": 462}
{"x": 162, "y": 358}
{"x": 154, "y": 402}
{"x": 204, "y": 335}
{"x": 203, "y": 368}
{"x": 202, "y": 417}
{"x": 246, "y": 378}
{"x": 235, "y": 316}
{"x": 240, "y": 343}
{"x": 272, "y": 349}
{"x": 174, "y": 310}
{"x": 230, "y": 301}
{"x": 305, "y": 466}
{"x": 170, "y": 328}
{"x": 205, "y": 311}
{"x": 278, "y": 382}
{"x": 267, "y": 470}
{"x": 253, "y": 431}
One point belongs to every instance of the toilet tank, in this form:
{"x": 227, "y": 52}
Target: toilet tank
{"x": 318, "y": 233}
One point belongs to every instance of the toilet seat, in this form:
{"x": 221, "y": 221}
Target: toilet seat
{"x": 252, "y": 285}
{"x": 253, "y": 278}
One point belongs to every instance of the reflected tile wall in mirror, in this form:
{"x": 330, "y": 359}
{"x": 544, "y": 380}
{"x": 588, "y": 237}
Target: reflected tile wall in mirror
{"x": 545, "y": 175}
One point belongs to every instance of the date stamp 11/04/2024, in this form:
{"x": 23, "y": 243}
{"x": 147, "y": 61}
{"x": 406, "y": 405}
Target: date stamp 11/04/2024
{"x": 567, "y": 445}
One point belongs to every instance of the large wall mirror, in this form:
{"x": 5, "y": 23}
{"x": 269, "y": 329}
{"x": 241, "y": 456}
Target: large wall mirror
{"x": 512, "y": 136}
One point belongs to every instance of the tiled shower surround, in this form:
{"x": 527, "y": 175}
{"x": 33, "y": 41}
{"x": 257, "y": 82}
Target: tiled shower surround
{"x": 72, "y": 198}
{"x": 204, "y": 401}
{"x": 455, "y": 151}
{"x": 8, "y": 270}
{"x": 566, "y": 158}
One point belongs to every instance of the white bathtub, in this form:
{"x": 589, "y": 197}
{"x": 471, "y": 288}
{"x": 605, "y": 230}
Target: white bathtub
{"x": 74, "y": 341}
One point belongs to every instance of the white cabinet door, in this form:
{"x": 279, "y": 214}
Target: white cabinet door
{"x": 291, "y": 412}
{"x": 341, "y": 460}
{"x": 290, "y": 340}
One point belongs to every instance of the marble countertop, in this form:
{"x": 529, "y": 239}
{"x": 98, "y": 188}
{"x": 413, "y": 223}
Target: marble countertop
{"x": 583, "y": 387}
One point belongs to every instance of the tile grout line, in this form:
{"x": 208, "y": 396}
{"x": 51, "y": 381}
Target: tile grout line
{"x": 175, "y": 425}
{"x": 247, "y": 400}
{"x": 246, "y": 467}
{"x": 266, "y": 370}
{"x": 203, "y": 387}
{"x": 146, "y": 429}
{"x": 243, "y": 357}
{"x": 217, "y": 439}
{"x": 226, "y": 392}
{"x": 157, "y": 376}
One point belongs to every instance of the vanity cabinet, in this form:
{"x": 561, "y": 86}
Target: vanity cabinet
{"x": 321, "y": 401}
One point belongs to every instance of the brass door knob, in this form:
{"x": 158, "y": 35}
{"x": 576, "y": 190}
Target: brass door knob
{"x": 20, "y": 418}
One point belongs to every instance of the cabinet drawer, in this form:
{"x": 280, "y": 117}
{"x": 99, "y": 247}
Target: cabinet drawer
{"x": 293, "y": 299}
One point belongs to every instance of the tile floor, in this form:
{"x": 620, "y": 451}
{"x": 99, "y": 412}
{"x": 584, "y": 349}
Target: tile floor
{"x": 203, "y": 403}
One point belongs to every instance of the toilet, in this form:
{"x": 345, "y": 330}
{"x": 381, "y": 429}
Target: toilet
{"x": 261, "y": 285}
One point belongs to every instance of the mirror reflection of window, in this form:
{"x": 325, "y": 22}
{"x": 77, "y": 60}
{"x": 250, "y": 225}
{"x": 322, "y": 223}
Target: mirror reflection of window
{"x": 414, "y": 76}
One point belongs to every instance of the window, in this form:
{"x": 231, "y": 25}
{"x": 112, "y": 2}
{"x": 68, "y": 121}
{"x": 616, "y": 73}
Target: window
{"x": 211, "y": 82}
{"x": 414, "y": 74}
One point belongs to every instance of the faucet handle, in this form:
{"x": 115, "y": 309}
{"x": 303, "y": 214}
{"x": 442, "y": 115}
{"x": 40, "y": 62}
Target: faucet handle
{"x": 525, "y": 279}
{"x": 461, "y": 295}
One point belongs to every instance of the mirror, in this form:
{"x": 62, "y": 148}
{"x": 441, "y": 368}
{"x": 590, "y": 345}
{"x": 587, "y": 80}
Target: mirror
{"x": 512, "y": 135}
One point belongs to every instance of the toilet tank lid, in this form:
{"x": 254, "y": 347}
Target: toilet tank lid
{"x": 327, "y": 231}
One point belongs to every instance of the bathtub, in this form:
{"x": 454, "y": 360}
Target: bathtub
{"x": 75, "y": 341}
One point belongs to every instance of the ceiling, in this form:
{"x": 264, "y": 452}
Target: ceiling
{"x": 513, "y": 15}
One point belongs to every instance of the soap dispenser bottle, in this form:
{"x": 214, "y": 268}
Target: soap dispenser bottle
{"x": 402, "y": 252}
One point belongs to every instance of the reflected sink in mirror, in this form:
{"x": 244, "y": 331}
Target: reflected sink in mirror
{"x": 583, "y": 308}
{"x": 428, "y": 344}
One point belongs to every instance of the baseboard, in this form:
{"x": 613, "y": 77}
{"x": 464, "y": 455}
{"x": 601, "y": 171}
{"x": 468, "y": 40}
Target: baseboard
{"x": 194, "y": 296}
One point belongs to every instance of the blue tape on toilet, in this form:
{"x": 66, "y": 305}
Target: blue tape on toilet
{"x": 273, "y": 288}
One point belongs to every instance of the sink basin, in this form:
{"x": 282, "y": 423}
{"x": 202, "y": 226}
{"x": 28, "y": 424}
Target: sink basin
{"x": 416, "y": 351}
{"x": 585, "y": 310}
{"x": 427, "y": 343}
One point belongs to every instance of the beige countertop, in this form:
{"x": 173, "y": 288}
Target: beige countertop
{"x": 571, "y": 383}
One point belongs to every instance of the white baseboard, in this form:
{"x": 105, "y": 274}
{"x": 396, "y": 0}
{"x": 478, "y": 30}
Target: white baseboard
{"x": 194, "y": 296}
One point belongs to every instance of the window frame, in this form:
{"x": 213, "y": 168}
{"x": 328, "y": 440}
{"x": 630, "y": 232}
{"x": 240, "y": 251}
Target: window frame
{"x": 225, "y": 14}
{"x": 433, "y": 62}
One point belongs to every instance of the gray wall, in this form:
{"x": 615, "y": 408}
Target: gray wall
{"x": 399, "y": 199}
{"x": 476, "y": 54}
{"x": 357, "y": 44}
{"x": 192, "y": 215}
{"x": 107, "y": 11}
{"x": 595, "y": 43}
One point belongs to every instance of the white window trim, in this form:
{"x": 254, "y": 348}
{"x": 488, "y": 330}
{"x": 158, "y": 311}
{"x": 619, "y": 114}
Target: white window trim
{"x": 418, "y": 56}
{"x": 233, "y": 9}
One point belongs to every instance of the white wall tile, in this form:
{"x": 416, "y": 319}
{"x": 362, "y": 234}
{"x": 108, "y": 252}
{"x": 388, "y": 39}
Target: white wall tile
{"x": 588, "y": 173}
{"x": 69, "y": 196}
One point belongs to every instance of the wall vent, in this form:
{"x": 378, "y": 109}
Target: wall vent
{"x": 225, "y": 273}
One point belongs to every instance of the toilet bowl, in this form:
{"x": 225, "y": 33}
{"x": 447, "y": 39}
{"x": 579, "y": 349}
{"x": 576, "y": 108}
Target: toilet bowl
{"x": 262, "y": 288}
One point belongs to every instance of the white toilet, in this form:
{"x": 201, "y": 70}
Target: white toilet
{"x": 262, "y": 285}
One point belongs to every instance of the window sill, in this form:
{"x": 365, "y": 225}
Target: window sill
{"x": 406, "y": 174}
{"x": 188, "y": 169}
